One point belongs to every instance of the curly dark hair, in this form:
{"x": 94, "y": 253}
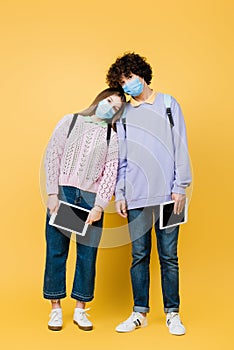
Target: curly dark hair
{"x": 127, "y": 64}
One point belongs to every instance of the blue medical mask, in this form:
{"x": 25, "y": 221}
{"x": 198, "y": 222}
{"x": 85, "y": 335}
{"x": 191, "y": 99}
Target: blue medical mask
{"x": 133, "y": 87}
{"x": 104, "y": 110}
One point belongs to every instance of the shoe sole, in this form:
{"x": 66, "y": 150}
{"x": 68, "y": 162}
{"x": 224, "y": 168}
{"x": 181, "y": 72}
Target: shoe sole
{"x": 138, "y": 327}
{"x": 55, "y": 328}
{"x": 174, "y": 333}
{"x": 178, "y": 334}
{"x": 87, "y": 328}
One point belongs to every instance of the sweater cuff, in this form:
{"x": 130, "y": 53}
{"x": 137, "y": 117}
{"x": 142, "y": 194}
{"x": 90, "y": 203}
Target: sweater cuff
{"x": 100, "y": 202}
{"x": 178, "y": 189}
{"x": 119, "y": 196}
{"x": 52, "y": 189}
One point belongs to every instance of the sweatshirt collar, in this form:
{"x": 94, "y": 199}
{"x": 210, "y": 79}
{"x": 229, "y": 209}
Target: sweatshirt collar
{"x": 150, "y": 100}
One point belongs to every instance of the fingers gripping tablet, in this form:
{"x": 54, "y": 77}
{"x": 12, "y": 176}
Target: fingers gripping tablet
{"x": 70, "y": 218}
{"x": 168, "y": 218}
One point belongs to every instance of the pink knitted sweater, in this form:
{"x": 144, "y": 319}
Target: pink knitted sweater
{"x": 82, "y": 160}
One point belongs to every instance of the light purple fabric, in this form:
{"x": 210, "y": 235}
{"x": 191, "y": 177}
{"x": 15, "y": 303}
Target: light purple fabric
{"x": 154, "y": 159}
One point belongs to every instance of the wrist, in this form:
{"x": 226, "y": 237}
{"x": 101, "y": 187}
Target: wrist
{"x": 98, "y": 208}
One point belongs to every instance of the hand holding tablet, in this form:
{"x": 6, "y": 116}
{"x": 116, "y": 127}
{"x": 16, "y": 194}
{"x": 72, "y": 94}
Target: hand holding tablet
{"x": 168, "y": 218}
{"x": 71, "y": 218}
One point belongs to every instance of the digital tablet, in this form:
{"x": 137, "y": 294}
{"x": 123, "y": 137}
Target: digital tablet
{"x": 71, "y": 218}
{"x": 168, "y": 218}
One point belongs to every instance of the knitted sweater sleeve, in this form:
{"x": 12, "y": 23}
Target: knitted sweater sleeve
{"x": 109, "y": 174}
{"x": 54, "y": 152}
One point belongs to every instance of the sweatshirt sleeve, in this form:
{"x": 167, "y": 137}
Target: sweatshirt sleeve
{"x": 120, "y": 183}
{"x": 108, "y": 180}
{"x": 54, "y": 152}
{"x": 182, "y": 171}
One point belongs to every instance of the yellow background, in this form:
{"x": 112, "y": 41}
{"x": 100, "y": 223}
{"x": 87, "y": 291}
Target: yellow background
{"x": 54, "y": 57}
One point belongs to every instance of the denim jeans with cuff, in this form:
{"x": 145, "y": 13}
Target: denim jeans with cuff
{"x": 58, "y": 242}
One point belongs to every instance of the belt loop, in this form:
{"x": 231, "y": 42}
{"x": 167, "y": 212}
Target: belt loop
{"x": 77, "y": 196}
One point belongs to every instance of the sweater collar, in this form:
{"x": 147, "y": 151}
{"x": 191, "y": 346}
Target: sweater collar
{"x": 88, "y": 119}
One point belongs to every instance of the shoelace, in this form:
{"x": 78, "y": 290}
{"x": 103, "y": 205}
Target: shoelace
{"x": 175, "y": 318}
{"x": 55, "y": 316}
{"x": 84, "y": 314}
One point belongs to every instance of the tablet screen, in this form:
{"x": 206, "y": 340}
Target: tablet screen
{"x": 168, "y": 218}
{"x": 71, "y": 218}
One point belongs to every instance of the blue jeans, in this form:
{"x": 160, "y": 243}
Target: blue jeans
{"x": 140, "y": 226}
{"x": 58, "y": 242}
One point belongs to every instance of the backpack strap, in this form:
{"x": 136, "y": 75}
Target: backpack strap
{"x": 123, "y": 120}
{"x": 109, "y": 127}
{"x": 167, "y": 102}
{"x": 108, "y": 135}
{"x": 72, "y": 124}
{"x": 124, "y": 124}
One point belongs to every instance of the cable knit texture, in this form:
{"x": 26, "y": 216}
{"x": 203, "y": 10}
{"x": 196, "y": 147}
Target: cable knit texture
{"x": 83, "y": 160}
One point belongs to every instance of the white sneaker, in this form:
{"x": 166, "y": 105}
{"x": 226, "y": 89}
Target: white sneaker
{"x": 80, "y": 318}
{"x": 136, "y": 320}
{"x": 55, "y": 323}
{"x": 174, "y": 323}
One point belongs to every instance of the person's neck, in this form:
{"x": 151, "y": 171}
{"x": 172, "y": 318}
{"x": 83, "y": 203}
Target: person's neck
{"x": 147, "y": 91}
{"x": 96, "y": 119}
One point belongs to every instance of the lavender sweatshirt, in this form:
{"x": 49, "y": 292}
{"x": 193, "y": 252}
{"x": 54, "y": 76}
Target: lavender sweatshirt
{"x": 153, "y": 157}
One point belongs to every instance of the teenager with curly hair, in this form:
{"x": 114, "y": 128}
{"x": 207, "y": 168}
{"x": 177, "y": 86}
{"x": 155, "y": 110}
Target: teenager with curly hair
{"x": 153, "y": 168}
